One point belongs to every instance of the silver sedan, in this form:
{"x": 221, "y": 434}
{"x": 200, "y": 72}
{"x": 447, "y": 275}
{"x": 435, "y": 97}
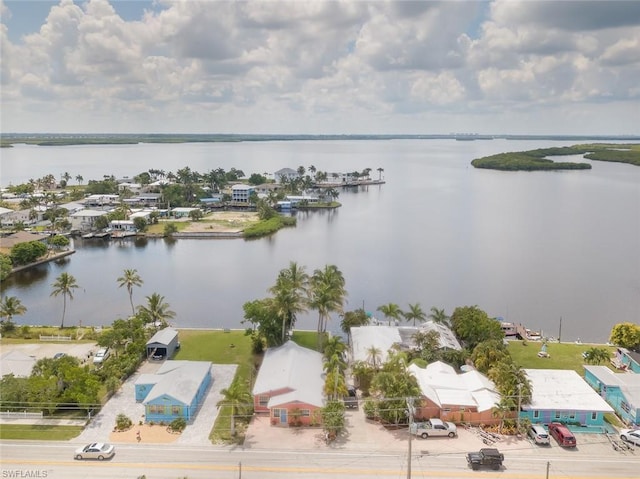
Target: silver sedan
{"x": 96, "y": 450}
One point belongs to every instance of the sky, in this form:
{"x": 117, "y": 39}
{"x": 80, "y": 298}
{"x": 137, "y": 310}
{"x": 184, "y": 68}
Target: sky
{"x": 320, "y": 67}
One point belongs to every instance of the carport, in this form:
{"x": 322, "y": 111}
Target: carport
{"x": 163, "y": 344}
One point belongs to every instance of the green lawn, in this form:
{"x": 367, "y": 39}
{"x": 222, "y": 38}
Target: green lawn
{"x": 232, "y": 347}
{"x": 39, "y": 433}
{"x": 562, "y": 355}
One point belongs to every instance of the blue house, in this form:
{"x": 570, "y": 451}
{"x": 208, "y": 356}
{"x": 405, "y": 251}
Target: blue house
{"x": 620, "y": 390}
{"x": 627, "y": 360}
{"x": 560, "y": 395}
{"x": 176, "y": 390}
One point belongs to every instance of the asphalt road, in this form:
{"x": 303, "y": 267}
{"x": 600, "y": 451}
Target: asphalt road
{"x": 55, "y": 461}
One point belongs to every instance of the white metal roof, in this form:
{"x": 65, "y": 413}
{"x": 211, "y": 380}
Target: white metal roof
{"x": 177, "y": 379}
{"x": 444, "y": 386}
{"x": 363, "y": 338}
{"x": 562, "y": 390}
{"x": 164, "y": 336}
{"x": 292, "y": 368}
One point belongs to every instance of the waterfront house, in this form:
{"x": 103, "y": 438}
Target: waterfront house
{"x": 182, "y": 212}
{"x": 560, "y": 395}
{"x": 163, "y": 344}
{"x": 176, "y": 390}
{"x": 101, "y": 200}
{"x": 385, "y": 337}
{"x": 620, "y": 390}
{"x": 290, "y": 385}
{"x": 285, "y": 174}
{"x": 466, "y": 397}
{"x": 26, "y": 217}
{"x": 84, "y": 220}
{"x": 241, "y": 193}
{"x": 627, "y": 360}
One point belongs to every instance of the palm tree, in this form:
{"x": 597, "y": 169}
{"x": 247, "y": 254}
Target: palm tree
{"x": 596, "y": 356}
{"x": 130, "y": 278}
{"x": 239, "y": 398}
{"x": 380, "y": 170}
{"x": 352, "y": 319}
{"x": 415, "y": 313}
{"x": 439, "y": 316}
{"x": 390, "y": 311}
{"x": 64, "y": 285}
{"x": 10, "y": 307}
{"x": 290, "y": 293}
{"x": 327, "y": 294}
{"x": 503, "y": 409}
{"x": 374, "y": 356}
{"x": 157, "y": 311}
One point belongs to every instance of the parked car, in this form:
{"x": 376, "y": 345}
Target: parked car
{"x": 434, "y": 427}
{"x": 351, "y": 399}
{"x": 95, "y": 450}
{"x": 487, "y": 456}
{"x": 561, "y": 433}
{"x": 59, "y": 355}
{"x": 630, "y": 435}
{"x": 101, "y": 356}
{"x": 539, "y": 434}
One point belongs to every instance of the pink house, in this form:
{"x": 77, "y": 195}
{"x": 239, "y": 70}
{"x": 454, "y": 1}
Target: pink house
{"x": 290, "y": 386}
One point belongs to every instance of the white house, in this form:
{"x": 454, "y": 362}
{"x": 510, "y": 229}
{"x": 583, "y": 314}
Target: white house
{"x": 85, "y": 219}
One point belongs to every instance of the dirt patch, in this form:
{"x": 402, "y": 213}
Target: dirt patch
{"x": 223, "y": 222}
{"x": 155, "y": 434}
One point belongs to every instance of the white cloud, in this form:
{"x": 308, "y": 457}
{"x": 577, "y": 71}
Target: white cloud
{"x": 335, "y": 66}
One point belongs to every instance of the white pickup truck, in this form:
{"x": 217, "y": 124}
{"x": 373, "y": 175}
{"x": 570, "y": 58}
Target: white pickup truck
{"x": 434, "y": 427}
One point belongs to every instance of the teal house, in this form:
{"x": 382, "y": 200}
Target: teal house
{"x": 176, "y": 390}
{"x": 620, "y": 390}
{"x": 560, "y": 395}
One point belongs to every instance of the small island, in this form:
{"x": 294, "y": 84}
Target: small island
{"x": 536, "y": 160}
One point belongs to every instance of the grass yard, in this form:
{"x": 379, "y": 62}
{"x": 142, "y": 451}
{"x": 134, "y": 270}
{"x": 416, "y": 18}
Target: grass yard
{"x": 561, "y": 355}
{"x": 38, "y": 433}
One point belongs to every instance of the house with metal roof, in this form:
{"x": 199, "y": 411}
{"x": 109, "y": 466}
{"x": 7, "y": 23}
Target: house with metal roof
{"x": 290, "y": 385}
{"x": 176, "y": 390}
{"x": 451, "y": 396}
{"x": 620, "y": 390}
{"x": 385, "y": 337}
{"x": 560, "y": 395}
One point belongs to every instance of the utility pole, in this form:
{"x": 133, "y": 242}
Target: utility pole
{"x": 548, "y": 464}
{"x": 410, "y": 412}
{"x": 560, "y": 331}
{"x": 519, "y": 403}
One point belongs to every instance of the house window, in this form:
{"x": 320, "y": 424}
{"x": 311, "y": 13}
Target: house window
{"x": 446, "y": 409}
{"x": 176, "y": 410}
{"x": 276, "y": 413}
{"x": 557, "y": 415}
{"x": 263, "y": 400}
{"x": 305, "y": 413}
{"x": 572, "y": 415}
{"x": 594, "y": 416}
{"x": 536, "y": 414}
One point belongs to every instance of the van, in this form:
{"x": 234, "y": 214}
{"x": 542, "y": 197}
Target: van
{"x": 539, "y": 434}
{"x": 561, "y": 433}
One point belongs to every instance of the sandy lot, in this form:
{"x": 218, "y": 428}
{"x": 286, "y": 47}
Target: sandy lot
{"x": 148, "y": 435}
{"x": 223, "y": 222}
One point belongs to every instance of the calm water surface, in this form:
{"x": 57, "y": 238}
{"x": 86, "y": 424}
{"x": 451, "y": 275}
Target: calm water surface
{"x": 531, "y": 247}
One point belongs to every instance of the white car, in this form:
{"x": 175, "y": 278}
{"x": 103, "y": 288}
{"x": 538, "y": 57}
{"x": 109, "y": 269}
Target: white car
{"x": 631, "y": 435}
{"x": 434, "y": 427}
{"x": 96, "y": 450}
{"x": 101, "y": 356}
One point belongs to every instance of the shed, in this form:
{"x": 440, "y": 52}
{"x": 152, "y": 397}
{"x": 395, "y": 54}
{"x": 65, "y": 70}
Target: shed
{"x": 163, "y": 344}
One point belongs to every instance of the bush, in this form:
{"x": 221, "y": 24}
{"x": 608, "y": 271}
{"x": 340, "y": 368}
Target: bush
{"x": 178, "y": 424}
{"x": 123, "y": 422}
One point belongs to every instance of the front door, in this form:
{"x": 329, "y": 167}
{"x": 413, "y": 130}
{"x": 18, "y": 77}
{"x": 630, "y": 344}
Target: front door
{"x": 283, "y": 416}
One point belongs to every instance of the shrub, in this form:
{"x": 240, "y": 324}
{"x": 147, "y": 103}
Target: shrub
{"x": 123, "y": 422}
{"x": 178, "y": 424}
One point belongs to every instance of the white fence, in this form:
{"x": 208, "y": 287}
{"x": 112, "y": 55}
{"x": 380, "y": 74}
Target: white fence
{"x": 55, "y": 338}
{"x": 20, "y": 414}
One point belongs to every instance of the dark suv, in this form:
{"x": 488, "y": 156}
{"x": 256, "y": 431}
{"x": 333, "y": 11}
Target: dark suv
{"x": 487, "y": 456}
